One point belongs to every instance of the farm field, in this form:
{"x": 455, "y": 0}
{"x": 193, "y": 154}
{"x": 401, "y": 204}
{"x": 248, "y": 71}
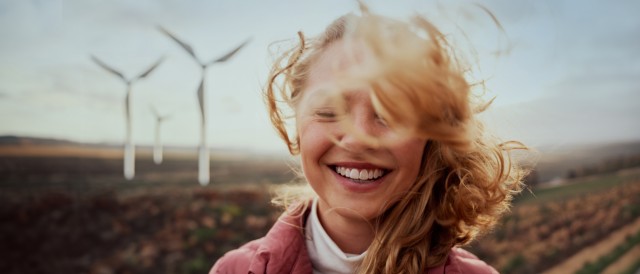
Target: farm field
{"x": 67, "y": 209}
{"x": 590, "y": 256}
{"x": 75, "y": 214}
{"x": 549, "y": 226}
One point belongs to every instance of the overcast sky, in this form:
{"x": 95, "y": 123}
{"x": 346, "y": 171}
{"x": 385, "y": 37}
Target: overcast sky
{"x": 571, "y": 73}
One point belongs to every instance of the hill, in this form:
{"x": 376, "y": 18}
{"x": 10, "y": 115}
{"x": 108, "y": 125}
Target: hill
{"x": 551, "y": 162}
{"x": 29, "y": 163}
{"x": 557, "y": 162}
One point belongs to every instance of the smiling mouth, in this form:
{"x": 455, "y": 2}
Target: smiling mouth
{"x": 360, "y": 175}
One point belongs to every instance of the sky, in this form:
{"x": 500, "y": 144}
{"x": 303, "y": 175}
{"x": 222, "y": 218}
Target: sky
{"x": 567, "y": 71}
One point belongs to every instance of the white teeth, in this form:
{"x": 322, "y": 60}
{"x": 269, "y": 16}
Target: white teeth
{"x": 354, "y": 174}
{"x": 364, "y": 175}
{"x": 359, "y": 174}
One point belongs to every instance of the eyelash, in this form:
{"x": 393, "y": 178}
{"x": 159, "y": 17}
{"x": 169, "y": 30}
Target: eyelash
{"x": 326, "y": 114}
{"x": 381, "y": 120}
{"x": 331, "y": 115}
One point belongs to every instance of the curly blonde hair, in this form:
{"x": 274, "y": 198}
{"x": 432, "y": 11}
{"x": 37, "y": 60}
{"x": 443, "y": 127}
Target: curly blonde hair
{"x": 467, "y": 178}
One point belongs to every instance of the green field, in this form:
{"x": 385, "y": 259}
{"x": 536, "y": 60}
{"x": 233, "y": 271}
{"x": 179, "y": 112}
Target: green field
{"x": 575, "y": 187}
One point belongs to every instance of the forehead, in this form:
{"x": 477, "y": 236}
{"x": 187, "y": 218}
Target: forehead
{"x": 334, "y": 76}
{"x": 338, "y": 61}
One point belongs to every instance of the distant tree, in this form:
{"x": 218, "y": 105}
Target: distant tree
{"x": 532, "y": 179}
{"x": 572, "y": 174}
{"x": 606, "y": 166}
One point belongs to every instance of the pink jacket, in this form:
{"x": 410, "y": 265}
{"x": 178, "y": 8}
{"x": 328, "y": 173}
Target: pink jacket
{"x": 283, "y": 250}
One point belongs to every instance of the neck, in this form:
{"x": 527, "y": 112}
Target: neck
{"x": 352, "y": 234}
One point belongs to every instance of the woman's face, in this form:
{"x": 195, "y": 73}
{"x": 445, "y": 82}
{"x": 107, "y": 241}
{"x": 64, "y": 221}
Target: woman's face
{"x": 354, "y": 177}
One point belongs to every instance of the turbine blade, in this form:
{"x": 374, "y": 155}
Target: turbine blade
{"x": 149, "y": 70}
{"x": 184, "y": 45}
{"x": 107, "y": 68}
{"x": 231, "y": 53}
{"x": 201, "y": 98}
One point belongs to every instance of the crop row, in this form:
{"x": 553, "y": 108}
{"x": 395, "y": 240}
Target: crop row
{"x": 536, "y": 236}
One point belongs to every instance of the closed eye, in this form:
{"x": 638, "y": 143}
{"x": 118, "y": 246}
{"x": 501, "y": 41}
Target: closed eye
{"x": 326, "y": 114}
{"x": 381, "y": 120}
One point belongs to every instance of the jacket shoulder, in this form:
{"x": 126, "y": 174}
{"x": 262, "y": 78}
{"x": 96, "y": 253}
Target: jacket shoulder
{"x": 282, "y": 250}
{"x": 238, "y": 260}
{"x": 462, "y": 261}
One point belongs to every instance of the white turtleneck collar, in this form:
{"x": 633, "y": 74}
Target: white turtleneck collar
{"x": 325, "y": 255}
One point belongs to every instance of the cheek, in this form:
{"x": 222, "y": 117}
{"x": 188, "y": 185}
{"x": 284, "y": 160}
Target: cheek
{"x": 410, "y": 155}
{"x": 313, "y": 147}
{"x": 313, "y": 142}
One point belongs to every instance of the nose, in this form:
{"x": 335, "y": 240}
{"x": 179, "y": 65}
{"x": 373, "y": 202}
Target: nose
{"x": 359, "y": 131}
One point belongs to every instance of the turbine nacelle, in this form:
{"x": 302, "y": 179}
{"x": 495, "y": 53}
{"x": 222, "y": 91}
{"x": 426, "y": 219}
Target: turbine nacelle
{"x": 192, "y": 53}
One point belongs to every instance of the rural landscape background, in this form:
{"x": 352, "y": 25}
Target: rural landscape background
{"x": 563, "y": 73}
{"x": 66, "y": 208}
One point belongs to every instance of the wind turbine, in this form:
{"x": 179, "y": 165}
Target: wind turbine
{"x": 203, "y": 150}
{"x": 129, "y": 147}
{"x": 157, "y": 148}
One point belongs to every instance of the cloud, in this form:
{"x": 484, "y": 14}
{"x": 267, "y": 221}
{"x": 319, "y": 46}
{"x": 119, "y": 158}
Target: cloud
{"x": 581, "y": 57}
{"x": 571, "y": 117}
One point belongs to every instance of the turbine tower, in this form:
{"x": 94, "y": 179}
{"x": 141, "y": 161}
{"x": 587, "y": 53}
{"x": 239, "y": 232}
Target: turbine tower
{"x": 157, "y": 148}
{"x": 203, "y": 150}
{"x": 129, "y": 147}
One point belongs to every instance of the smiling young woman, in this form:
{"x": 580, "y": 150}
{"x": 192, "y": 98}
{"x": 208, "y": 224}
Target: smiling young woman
{"x": 398, "y": 171}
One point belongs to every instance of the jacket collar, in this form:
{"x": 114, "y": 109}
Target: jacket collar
{"x": 285, "y": 242}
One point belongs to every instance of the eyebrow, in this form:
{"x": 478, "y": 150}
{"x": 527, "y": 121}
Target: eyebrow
{"x": 347, "y": 95}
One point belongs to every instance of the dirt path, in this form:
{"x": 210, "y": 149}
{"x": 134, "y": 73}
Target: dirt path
{"x": 595, "y": 251}
{"x": 624, "y": 262}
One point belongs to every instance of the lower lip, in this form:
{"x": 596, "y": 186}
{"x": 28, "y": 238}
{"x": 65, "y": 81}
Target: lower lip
{"x": 357, "y": 187}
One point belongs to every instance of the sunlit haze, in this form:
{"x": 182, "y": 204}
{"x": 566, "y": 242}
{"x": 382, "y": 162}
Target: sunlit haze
{"x": 566, "y": 71}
